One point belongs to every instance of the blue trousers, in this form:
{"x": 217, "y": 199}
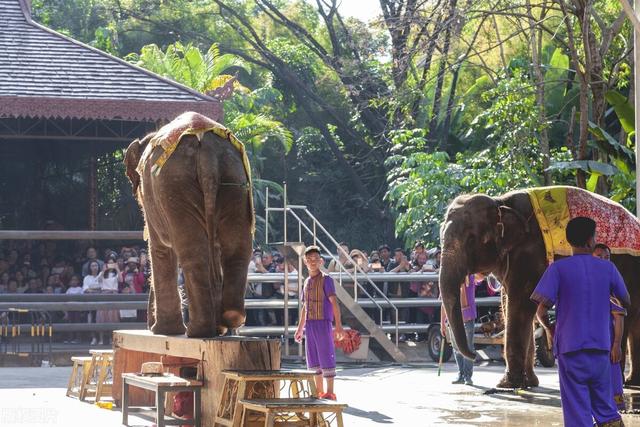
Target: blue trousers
{"x": 585, "y": 388}
{"x": 465, "y": 366}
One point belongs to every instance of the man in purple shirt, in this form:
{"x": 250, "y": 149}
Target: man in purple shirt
{"x": 579, "y": 286}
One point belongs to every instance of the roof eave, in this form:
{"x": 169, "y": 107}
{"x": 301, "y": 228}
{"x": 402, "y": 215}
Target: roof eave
{"x": 103, "y": 109}
{"x": 26, "y": 10}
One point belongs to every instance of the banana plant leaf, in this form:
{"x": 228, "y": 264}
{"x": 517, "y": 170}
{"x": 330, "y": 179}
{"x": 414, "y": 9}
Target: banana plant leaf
{"x": 590, "y": 166}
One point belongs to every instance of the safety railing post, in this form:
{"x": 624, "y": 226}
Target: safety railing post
{"x": 285, "y": 212}
{"x": 314, "y": 233}
{"x": 286, "y": 307}
{"x": 266, "y": 216}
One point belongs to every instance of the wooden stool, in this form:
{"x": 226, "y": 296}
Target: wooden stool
{"x": 78, "y": 374}
{"x": 161, "y": 385}
{"x": 290, "y": 412}
{"x": 95, "y": 384}
{"x": 243, "y": 384}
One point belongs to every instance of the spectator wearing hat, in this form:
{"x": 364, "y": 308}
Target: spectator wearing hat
{"x": 360, "y": 259}
{"x": 375, "y": 264}
{"x": 132, "y": 276}
{"x": 343, "y": 251}
{"x": 433, "y": 262}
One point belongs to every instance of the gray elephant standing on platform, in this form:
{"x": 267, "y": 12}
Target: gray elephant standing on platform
{"x": 192, "y": 181}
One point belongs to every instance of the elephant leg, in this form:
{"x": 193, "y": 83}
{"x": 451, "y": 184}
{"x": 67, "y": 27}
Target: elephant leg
{"x": 193, "y": 255}
{"x": 234, "y": 237}
{"x": 235, "y": 278}
{"x": 518, "y": 339}
{"x": 531, "y": 379}
{"x": 165, "y": 297}
{"x": 633, "y": 342}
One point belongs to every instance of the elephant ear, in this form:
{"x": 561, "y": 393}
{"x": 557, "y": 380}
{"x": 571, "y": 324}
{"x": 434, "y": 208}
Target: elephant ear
{"x": 131, "y": 160}
{"x": 512, "y": 227}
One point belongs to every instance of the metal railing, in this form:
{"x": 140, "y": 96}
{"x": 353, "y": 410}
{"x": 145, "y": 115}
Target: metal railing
{"x": 313, "y": 231}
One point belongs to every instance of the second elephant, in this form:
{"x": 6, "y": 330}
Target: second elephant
{"x": 509, "y": 236}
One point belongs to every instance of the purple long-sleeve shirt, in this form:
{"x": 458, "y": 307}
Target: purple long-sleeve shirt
{"x": 468, "y": 299}
{"x": 579, "y": 286}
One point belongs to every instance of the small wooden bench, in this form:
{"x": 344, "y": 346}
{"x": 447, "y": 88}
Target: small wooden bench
{"x": 99, "y": 382}
{"x": 256, "y": 384}
{"x": 161, "y": 385}
{"x": 80, "y": 371}
{"x": 292, "y": 412}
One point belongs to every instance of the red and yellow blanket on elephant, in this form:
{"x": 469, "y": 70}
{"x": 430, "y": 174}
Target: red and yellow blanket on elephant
{"x": 190, "y": 123}
{"x": 555, "y": 206}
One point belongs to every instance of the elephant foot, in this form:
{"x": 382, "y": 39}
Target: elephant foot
{"x": 531, "y": 380}
{"x": 233, "y": 318}
{"x": 168, "y": 328}
{"x": 512, "y": 381}
{"x": 201, "y": 330}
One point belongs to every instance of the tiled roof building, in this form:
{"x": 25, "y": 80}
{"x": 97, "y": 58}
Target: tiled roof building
{"x": 68, "y": 107}
{"x": 46, "y": 74}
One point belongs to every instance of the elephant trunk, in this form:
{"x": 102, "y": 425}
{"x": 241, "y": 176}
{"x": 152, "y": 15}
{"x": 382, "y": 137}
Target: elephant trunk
{"x": 452, "y": 275}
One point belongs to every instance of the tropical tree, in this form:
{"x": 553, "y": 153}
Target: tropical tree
{"x": 186, "y": 64}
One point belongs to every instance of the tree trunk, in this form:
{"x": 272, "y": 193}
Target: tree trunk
{"x": 444, "y": 142}
{"x": 536, "y": 43}
{"x": 437, "y": 96}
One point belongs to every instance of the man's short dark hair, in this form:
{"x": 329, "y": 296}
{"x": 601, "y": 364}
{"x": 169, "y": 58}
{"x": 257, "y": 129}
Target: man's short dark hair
{"x": 312, "y": 249}
{"x": 603, "y": 247}
{"x": 385, "y": 246}
{"x": 399, "y": 250}
{"x": 579, "y": 230}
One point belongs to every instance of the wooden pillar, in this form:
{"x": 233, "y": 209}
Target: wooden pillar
{"x": 93, "y": 192}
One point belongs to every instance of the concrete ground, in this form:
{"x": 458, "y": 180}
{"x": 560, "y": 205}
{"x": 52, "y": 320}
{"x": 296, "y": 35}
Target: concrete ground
{"x": 377, "y": 395}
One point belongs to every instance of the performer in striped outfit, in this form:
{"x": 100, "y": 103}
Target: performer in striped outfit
{"x": 319, "y": 310}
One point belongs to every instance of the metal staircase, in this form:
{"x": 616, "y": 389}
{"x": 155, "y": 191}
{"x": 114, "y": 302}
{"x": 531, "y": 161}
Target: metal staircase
{"x": 357, "y": 318}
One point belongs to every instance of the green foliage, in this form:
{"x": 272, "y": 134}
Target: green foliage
{"x": 187, "y": 65}
{"x": 494, "y": 141}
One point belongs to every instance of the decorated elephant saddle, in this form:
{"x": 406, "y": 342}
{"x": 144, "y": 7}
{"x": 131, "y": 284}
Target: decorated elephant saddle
{"x": 555, "y": 206}
{"x": 190, "y": 123}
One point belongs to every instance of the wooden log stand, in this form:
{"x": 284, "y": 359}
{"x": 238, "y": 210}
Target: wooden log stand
{"x": 132, "y": 348}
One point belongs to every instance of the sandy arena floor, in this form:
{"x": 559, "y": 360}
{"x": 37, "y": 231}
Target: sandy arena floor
{"x": 377, "y": 395}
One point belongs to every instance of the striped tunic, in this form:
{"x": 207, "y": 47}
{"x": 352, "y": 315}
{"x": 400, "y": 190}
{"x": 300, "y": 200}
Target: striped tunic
{"x": 316, "y": 293}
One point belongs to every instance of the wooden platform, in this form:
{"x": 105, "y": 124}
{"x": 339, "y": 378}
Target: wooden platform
{"x": 132, "y": 348}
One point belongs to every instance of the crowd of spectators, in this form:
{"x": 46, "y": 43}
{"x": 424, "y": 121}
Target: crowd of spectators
{"x": 418, "y": 259}
{"x": 29, "y": 267}
{"x": 43, "y": 267}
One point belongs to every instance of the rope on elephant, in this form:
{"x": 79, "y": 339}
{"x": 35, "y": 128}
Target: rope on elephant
{"x": 190, "y": 123}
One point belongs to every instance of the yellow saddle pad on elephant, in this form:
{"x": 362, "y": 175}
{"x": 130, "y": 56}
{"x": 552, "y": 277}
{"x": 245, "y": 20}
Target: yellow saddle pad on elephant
{"x": 190, "y": 123}
{"x": 555, "y": 206}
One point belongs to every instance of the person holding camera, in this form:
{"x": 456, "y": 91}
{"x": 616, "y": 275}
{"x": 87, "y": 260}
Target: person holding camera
{"x": 132, "y": 276}
{"x": 108, "y": 279}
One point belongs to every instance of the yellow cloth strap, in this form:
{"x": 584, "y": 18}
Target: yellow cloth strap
{"x": 552, "y": 212}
